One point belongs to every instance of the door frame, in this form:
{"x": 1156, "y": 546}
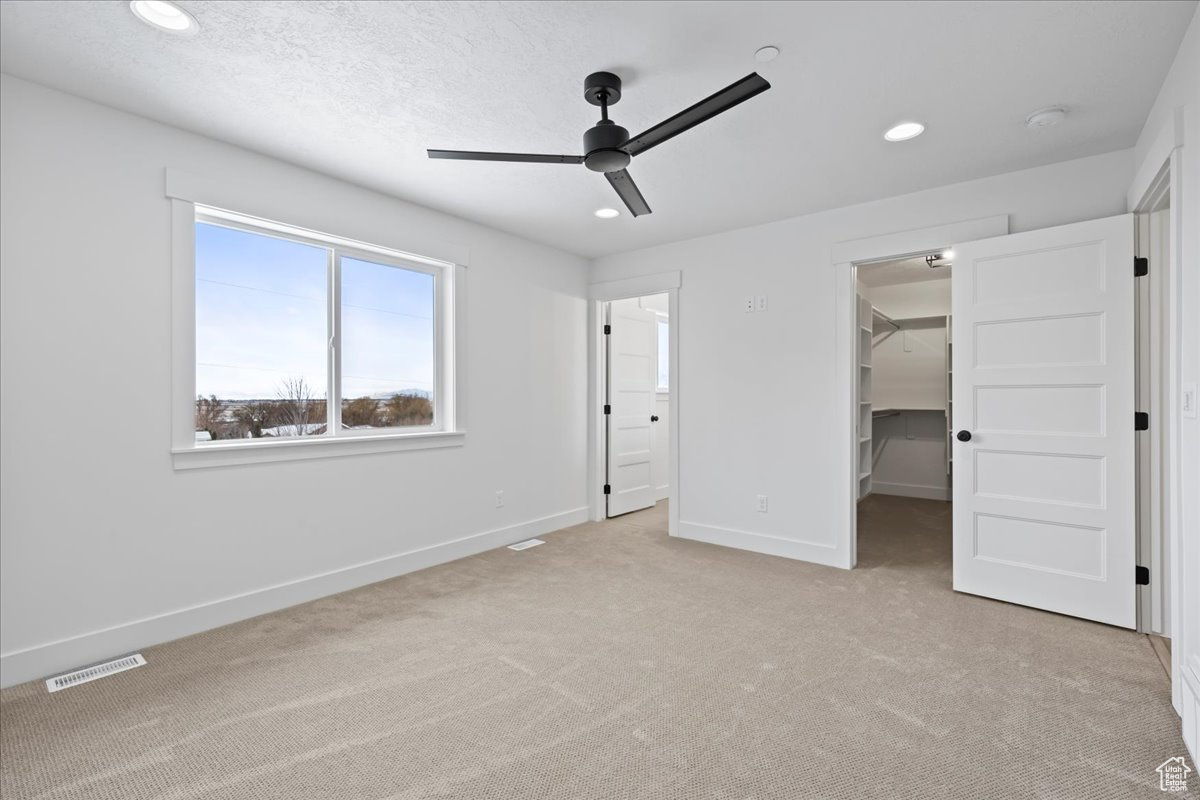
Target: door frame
{"x": 668, "y": 283}
{"x": 1144, "y": 197}
{"x": 845, "y": 257}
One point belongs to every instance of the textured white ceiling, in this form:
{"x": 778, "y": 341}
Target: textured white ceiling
{"x": 360, "y": 89}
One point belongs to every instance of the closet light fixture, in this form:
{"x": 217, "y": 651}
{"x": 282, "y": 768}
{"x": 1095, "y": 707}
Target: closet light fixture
{"x": 903, "y": 131}
{"x": 764, "y": 54}
{"x": 164, "y": 16}
{"x": 607, "y": 213}
{"x": 1044, "y": 118}
{"x": 942, "y": 259}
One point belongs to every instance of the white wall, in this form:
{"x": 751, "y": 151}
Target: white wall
{"x": 919, "y": 299}
{"x": 103, "y": 547}
{"x": 759, "y": 392}
{"x": 660, "y": 451}
{"x": 1174, "y": 124}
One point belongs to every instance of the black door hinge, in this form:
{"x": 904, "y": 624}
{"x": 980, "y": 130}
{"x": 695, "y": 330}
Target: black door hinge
{"x": 1141, "y": 266}
{"x": 1142, "y": 576}
{"x": 607, "y": 489}
{"x": 1141, "y": 421}
{"x": 607, "y": 408}
{"x": 607, "y": 330}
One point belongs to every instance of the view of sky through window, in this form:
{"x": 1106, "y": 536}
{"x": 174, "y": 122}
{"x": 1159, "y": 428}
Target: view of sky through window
{"x": 262, "y": 338}
{"x": 261, "y": 316}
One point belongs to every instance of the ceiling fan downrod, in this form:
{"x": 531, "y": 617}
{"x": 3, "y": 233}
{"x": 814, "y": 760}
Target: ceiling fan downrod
{"x": 602, "y": 142}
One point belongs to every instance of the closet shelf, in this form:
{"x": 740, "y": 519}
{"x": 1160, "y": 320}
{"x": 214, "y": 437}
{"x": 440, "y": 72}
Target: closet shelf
{"x": 908, "y": 323}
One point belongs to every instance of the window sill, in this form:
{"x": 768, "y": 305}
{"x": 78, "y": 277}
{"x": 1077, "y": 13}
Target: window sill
{"x": 260, "y": 452}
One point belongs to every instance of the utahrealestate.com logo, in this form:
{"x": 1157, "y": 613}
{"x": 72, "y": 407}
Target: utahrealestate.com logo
{"x": 1172, "y": 774}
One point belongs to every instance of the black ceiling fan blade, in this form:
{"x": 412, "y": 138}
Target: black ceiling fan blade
{"x": 630, "y": 194}
{"x": 706, "y": 109}
{"x": 529, "y": 158}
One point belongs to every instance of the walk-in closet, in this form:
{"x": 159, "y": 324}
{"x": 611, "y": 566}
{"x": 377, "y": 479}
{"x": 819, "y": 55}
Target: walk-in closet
{"x": 905, "y": 413}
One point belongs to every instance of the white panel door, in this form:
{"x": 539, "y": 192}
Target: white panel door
{"x": 632, "y": 355}
{"x": 1043, "y": 385}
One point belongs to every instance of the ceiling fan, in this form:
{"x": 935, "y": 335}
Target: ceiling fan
{"x": 609, "y": 147}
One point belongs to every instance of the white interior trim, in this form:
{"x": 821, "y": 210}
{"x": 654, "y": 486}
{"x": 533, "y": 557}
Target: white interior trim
{"x": 450, "y": 359}
{"x": 261, "y": 451}
{"x": 917, "y": 242}
{"x": 786, "y": 547}
{"x": 1151, "y": 182}
{"x": 1166, "y": 139}
{"x": 910, "y": 490}
{"x": 63, "y": 655}
{"x": 254, "y": 201}
{"x": 598, "y": 294}
{"x": 845, "y": 255}
{"x": 639, "y": 286}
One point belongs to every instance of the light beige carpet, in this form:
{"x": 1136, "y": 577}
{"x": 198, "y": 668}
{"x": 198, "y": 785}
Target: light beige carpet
{"x": 616, "y": 662}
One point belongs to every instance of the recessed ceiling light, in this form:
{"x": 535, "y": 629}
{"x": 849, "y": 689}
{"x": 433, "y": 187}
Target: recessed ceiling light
{"x": 1045, "y": 117}
{"x": 765, "y": 54}
{"x": 948, "y": 255}
{"x": 607, "y": 213}
{"x": 164, "y": 16}
{"x": 903, "y": 131}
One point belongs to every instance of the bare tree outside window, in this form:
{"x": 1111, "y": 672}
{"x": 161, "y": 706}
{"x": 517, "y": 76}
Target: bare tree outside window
{"x": 299, "y": 412}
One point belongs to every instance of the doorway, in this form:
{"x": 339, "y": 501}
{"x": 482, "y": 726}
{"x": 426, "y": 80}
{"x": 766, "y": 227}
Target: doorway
{"x": 600, "y": 298}
{"x": 637, "y": 403}
{"x": 1039, "y": 423}
{"x": 904, "y": 410}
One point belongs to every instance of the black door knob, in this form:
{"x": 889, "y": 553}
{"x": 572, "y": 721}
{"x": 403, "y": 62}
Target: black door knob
{"x": 964, "y": 436}
{"x": 654, "y": 417}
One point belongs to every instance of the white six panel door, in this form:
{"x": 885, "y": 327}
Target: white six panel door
{"x": 1043, "y": 381}
{"x": 632, "y": 356}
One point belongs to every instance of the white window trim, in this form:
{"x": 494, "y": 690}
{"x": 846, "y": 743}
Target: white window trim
{"x": 449, "y": 356}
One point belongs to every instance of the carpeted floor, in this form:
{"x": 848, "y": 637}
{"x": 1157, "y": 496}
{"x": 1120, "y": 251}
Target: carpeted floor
{"x": 616, "y": 662}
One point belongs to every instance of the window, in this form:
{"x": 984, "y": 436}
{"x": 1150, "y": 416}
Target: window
{"x": 303, "y": 337}
{"x": 664, "y": 350}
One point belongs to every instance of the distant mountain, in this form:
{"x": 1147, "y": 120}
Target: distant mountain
{"x": 403, "y": 392}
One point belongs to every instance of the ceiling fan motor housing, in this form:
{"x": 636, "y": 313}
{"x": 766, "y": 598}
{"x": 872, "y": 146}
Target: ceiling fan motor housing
{"x": 602, "y": 144}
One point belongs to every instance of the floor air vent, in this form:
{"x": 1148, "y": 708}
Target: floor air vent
{"x": 525, "y": 545}
{"x": 92, "y": 673}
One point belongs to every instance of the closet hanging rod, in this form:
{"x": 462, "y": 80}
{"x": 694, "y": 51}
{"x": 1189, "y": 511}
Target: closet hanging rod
{"x": 885, "y": 317}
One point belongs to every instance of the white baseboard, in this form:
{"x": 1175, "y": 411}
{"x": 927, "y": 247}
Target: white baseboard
{"x": 1190, "y": 686}
{"x": 800, "y": 550}
{"x": 662, "y": 493}
{"x": 910, "y": 490}
{"x": 54, "y": 657}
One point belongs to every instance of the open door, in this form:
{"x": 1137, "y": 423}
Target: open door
{"x": 1043, "y": 389}
{"x": 632, "y": 353}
